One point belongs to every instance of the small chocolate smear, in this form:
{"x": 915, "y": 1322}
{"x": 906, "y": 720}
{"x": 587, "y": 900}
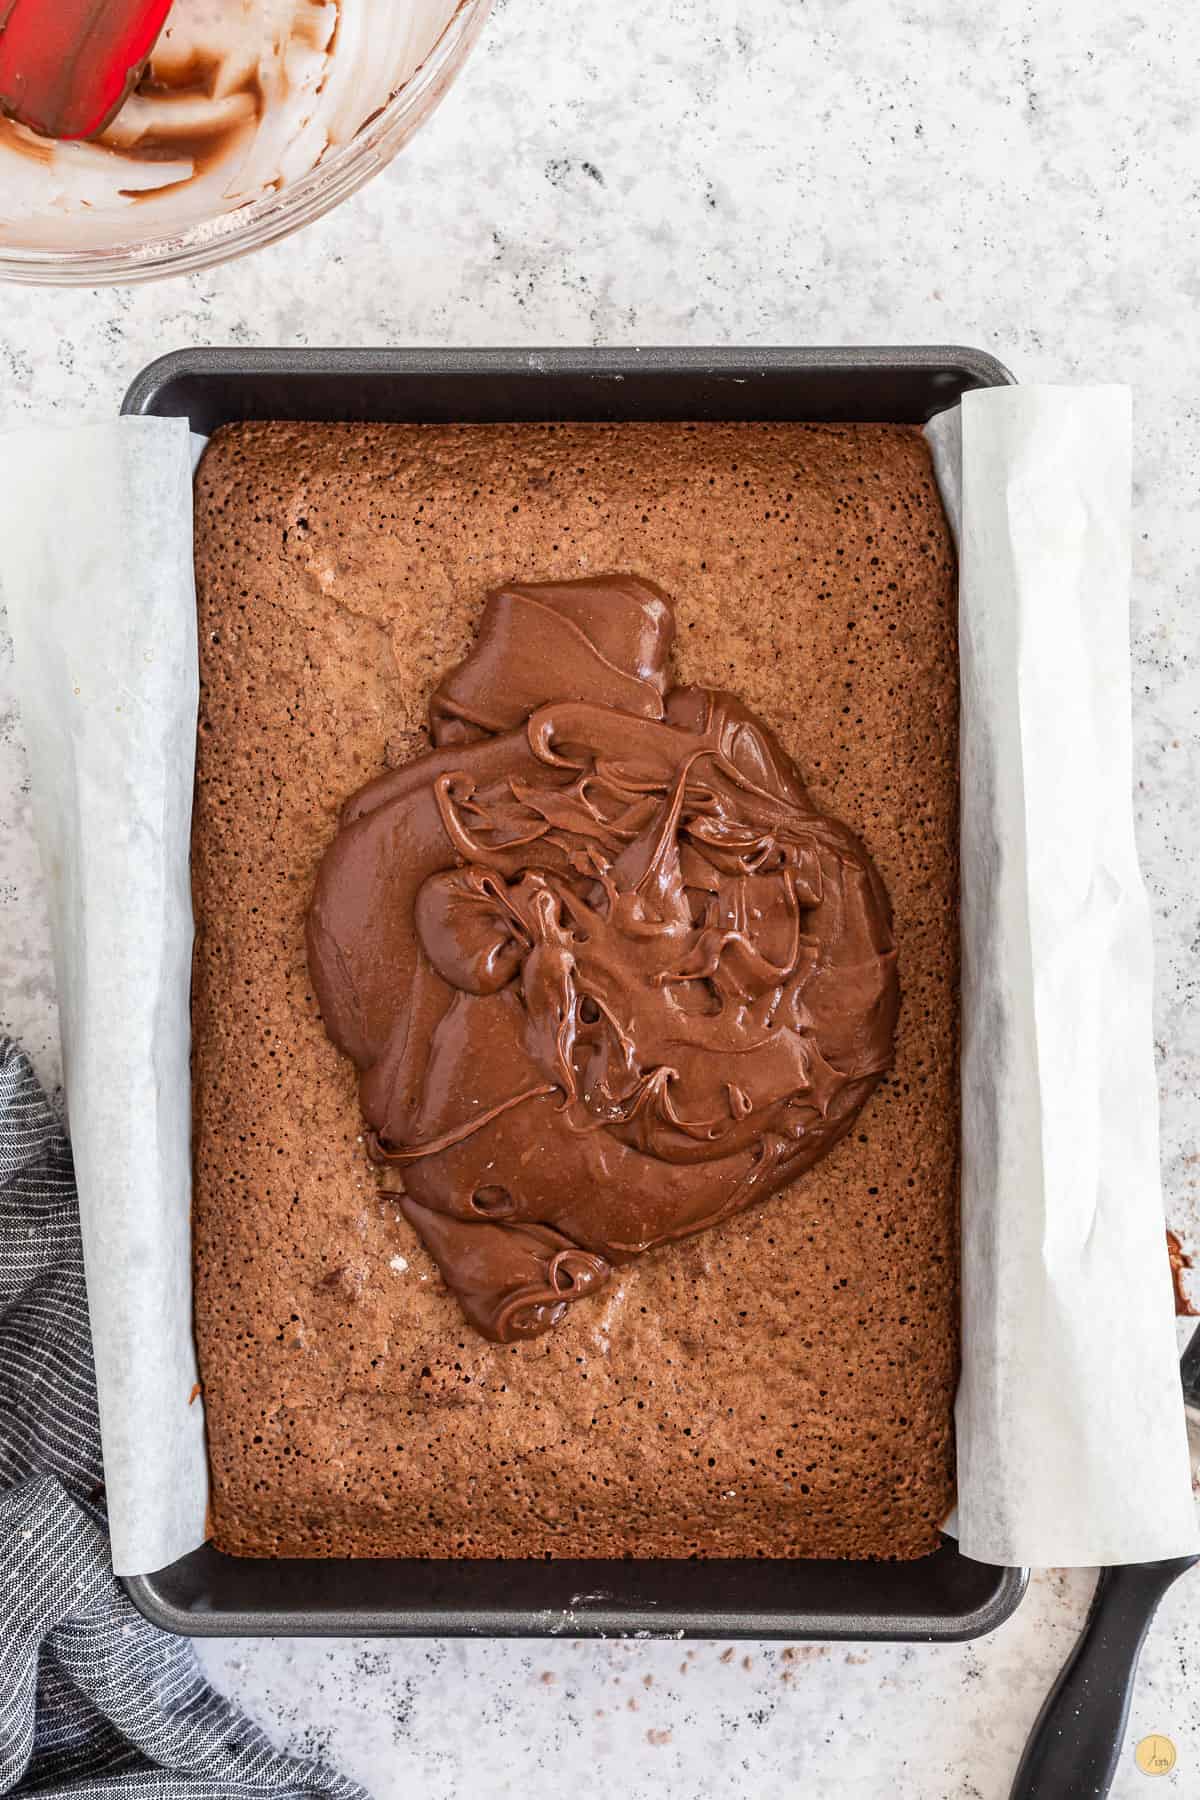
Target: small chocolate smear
{"x": 25, "y": 143}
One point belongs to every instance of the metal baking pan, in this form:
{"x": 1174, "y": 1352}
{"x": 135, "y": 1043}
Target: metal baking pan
{"x": 942, "y": 1596}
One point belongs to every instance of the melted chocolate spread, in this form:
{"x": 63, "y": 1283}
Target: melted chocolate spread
{"x": 607, "y": 974}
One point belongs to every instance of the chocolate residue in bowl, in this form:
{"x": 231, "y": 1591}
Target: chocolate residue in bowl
{"x": 194, "y": 120}
{"x": 200, "y": 138}
{"x": 26, "y": 143}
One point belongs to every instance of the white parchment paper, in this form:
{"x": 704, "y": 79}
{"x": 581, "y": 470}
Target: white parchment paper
{"x": 1072, "y": 1446}
{"x": 96, "y": 570}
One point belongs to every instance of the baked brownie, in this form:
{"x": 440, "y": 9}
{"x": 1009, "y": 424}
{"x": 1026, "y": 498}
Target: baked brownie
{"x": 779, "y": 1386}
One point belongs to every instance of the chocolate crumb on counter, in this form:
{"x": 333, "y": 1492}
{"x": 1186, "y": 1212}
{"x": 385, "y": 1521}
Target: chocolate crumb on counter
{"x": 1181, "y": 1265}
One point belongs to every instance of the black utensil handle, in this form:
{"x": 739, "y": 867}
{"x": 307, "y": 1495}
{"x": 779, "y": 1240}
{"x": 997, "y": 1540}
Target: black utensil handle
{"x": 1074, "y": 1747}
{"x": 1189, "y": 1369}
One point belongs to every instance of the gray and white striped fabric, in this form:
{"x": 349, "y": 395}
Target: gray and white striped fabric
{"x": 94, "y": 1702}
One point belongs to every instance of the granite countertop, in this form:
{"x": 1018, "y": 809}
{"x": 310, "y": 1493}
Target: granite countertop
{"x": 741, "y": 172}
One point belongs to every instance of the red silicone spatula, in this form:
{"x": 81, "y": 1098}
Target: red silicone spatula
{"x": 66, "y": 66}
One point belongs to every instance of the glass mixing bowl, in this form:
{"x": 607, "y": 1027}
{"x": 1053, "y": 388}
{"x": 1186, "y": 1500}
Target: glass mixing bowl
{"x": 65, "y": 219}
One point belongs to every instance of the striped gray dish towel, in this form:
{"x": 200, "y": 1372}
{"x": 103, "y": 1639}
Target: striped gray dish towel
{"x": 94, "y": 1702}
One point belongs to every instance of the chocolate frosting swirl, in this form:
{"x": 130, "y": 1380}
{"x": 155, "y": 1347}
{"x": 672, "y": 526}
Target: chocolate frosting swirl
{"x": 607, "y": 974}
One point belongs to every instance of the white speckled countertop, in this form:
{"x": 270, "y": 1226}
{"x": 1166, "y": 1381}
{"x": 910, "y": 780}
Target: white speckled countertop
{"x": 745, "y": 172}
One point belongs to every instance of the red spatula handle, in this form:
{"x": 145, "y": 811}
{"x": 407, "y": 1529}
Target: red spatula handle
{"x": 66, "y": 66}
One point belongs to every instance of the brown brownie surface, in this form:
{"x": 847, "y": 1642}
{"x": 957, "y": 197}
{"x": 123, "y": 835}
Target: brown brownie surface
{"x": 779, "y": 1386}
